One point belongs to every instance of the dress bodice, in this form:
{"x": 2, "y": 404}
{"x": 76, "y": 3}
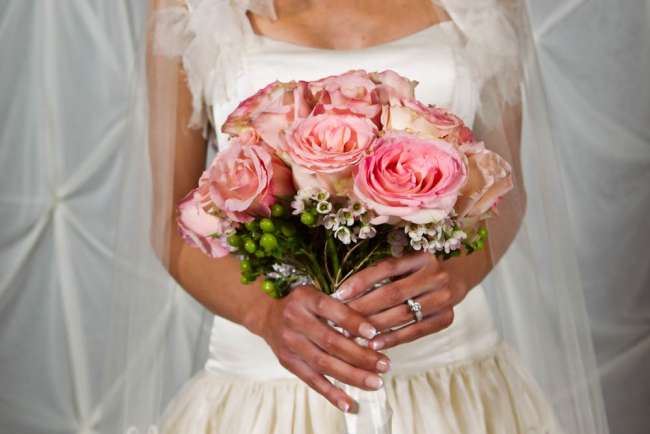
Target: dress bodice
{"x": 428, "y": 56}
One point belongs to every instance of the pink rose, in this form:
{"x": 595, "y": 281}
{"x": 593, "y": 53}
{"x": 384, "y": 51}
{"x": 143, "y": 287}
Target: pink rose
{"x": 324, "y": 147}
{"x": 460, "y": 136}
{"x": 412, "y": 115}
{"x": 490, "y": 177}
{"x": 245, "y": 179}
{"x": 330, "y": 141}
{"x": 353, "y": 90}
{"x": 270, "y": 111}
{"x": 411, "y": 177}
{"x": 392, "y": 87}
{"x": 202, "y": 229}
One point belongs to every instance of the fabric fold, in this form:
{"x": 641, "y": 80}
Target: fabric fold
{"x": 488, "y": 395}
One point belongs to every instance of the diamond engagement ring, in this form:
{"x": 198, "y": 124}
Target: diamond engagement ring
{"x": 415, "y": 308}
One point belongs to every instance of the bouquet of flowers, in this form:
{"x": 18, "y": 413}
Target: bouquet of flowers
{"x": 323, "y": 178}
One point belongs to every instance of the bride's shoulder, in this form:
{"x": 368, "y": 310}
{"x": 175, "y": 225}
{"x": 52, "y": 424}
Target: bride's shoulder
{"x": 208, "y": 36}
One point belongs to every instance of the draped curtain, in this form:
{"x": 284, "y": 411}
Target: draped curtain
{"x": 64, "y": 88}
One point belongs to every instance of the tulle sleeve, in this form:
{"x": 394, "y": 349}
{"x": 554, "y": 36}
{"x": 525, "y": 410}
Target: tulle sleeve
{"x": 492, "y": 48}
{"x": 208, "y": 35}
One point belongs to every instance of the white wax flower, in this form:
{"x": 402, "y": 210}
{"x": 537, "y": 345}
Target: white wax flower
{"x": 344, "y": 235}
{"x": 366, "y": 232}
{"x": 323, "y": 207}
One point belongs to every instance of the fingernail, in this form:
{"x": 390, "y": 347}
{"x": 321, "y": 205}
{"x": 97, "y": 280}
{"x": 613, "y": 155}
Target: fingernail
{"x": 376, "y": 345}
{"x": 342, "y": 293}
{"x": 344, "y": 406}
{"x": 346, "y": 333}
{"x": 383, "y": 365}
{"x": 374, "y": 382}
{"x": 367, "y": 330}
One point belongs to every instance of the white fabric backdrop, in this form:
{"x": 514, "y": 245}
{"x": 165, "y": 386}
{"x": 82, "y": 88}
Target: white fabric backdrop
{"x": 63, "y": 88}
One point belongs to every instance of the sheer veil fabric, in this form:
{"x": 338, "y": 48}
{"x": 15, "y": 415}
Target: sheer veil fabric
{"x": 534, "y": 290}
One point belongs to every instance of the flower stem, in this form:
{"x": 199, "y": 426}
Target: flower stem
{"x": 362, "y": 262}
{"x": 316, "y": 271}
{"x": 332, "y": 253}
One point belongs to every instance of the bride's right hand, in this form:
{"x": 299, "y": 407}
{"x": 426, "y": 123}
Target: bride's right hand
{"x": 295, "y": 327}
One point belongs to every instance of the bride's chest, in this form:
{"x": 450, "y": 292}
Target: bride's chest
{"x": 430, "y": 57}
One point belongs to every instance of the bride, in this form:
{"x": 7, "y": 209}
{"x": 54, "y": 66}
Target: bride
{"x": 501, "y": 348}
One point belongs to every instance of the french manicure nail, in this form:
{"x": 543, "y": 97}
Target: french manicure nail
{"x": 342, "y": 293}
{"x": 383, "y": 365}
{"x": 374, "y": 382}
{"x": 344, "y": 406}
{"x": 376, "y": 345}
{"x": 367, "y": 330}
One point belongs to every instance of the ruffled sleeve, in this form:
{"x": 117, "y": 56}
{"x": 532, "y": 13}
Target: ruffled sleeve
{"x": 208, "y": 35}
{"x": 492, "y": 47}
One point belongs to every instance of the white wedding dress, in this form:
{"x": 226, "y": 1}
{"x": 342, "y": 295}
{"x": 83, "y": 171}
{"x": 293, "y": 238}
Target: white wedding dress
{"x": 461, "y": 380}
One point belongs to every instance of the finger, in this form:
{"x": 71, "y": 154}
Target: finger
{"x": 431, "y": 302}
{"x": 459, "y": 290}
{"x": 428, "y": 325}
{"x": 331, "y": 309}
{"x": 396, "y": 293}
{"x": 364, "y": 280}
{"x": 324, "y": 363}
{"x": 320, "y": 384}
{"x": 305, "y": 324}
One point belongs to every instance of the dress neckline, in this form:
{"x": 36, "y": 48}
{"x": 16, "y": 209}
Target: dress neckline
{"x": 268, "y": 40}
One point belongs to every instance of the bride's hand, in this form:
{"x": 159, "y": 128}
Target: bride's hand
{"x": 295, "y": 327}
{"x": 424, "y": 280}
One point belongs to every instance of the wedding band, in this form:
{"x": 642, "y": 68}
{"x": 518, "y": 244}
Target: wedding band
{"x": 415, "y": 308}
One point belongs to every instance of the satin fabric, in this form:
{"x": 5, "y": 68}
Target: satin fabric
{"x": 485, "y": 394}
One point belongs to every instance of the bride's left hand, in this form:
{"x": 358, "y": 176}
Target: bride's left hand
{"x": 424, "y": 279}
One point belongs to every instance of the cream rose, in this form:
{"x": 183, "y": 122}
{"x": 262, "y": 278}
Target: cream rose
{"x": 490, "y": 177}
{"x": 411, "y": 115}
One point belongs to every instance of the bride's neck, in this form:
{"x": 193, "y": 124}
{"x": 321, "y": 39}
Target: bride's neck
{"x": 346, "y": 23}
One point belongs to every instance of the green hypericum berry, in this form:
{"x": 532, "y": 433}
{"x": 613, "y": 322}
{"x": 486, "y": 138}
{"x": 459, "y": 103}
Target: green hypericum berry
{"x": 245, "y": 265}
{"x": 245, "y": 279}
{"x": 250, "y": 246}
{"x": 288, "y": 229}
{"x": 483, "y": 232}
{"x": 256, "y": 235}
{"x": 307, "y": 218}
{"x": 268, "y": 286}
{"x": 277, "y": 210}
{"x": 269, "y": 242}
{"x": 252, "y": 226}
{"x": 235, "y": 240}
{"x": 479, "y": 244}
{"x": 260, "y": 253}
{"x": 267, "y": 225}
